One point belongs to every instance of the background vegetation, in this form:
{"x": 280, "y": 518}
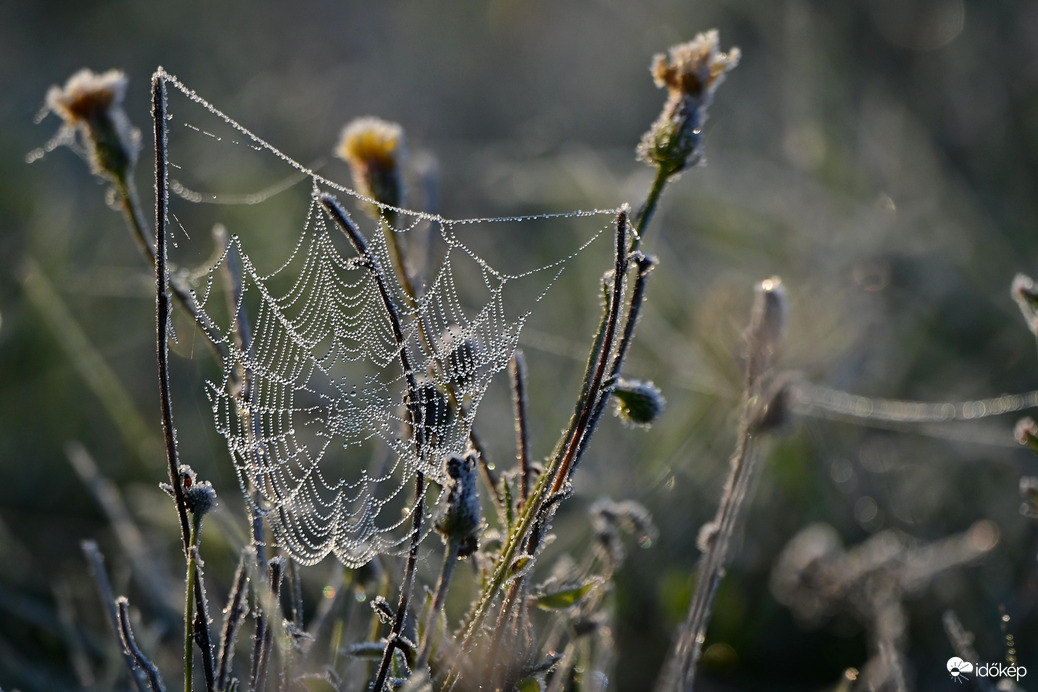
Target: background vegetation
{"x": 880, "y": 156}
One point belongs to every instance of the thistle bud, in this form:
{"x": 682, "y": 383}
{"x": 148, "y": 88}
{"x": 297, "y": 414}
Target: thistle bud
{"x": 375, "y": 151}
{"x": 638, "y": 403}
{"x": 91, "y": 105}
{"x": 199, "y": 496}
{"x": 691, "y": 72}
{"x": 462, "y": 521}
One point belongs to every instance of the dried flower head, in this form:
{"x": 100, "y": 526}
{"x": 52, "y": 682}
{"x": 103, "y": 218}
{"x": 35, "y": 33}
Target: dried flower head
{"x": 638, "y": 403}
{"x": 691, "y": 73}
{"x": 462, "y": 521}
{"x": 91, "y": 106}
{"x": 375, "y": 150}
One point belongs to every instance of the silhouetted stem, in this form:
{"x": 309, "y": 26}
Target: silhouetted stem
{"x": 189, "y": 608}
{"x": 95, "y": 562}
{"x": 126, "y": 191}
{"x": 233, "y": 616}
{"x": 522, "y": 434}
{"x": 645, "y": 265}
{"x": 394, "y": 641}
{"x": 163, "y": 319}
{"x": 594, "y": 389}
{"x": 130, "y": 644}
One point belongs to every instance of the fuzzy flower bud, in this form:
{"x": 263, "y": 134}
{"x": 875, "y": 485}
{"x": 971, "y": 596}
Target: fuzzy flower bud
{"x": 1025, "y": 293}
{"x": 91, "y": 105}
{"x": 638, "y": 403}
{"x": 375, "y": 150}
{"x": 462, "y": 521}
{"x": 199, "y": 496}
{"x": 691, "y": 73}
{"x": 1026, "y": 433}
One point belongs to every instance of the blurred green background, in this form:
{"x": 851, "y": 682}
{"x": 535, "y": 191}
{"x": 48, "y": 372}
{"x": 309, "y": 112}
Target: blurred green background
{"x": 880, "y": 156}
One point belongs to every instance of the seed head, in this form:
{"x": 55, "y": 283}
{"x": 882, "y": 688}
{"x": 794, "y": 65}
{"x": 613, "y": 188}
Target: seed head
{"x": 691, "y": 73}
{"x": 375, "y": 150}
{"x": 91, "y": 105}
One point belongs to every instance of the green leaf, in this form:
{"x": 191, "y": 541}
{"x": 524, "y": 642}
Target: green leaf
{"x": 529, "y": 685}
{"x": 567, "y": 596}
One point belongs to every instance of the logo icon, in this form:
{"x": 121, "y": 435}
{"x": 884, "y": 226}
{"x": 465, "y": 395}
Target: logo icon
{"x": 958, "y": 668}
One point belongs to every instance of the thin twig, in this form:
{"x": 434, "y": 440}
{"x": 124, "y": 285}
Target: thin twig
{"x": 517, "y": 370}
{"x": 356, "y": 238}
{"x": 234, "y": 614}
{"x": 268, "y": 605}
{"x": 485, "y": 472}
{"x": 151, "y": 580}
{"x": 648, "y": 209}
{"x": 394, "y": 641}
{"x": 619, "y": 272}
{"x": 163, "y": 319}
{"x": 360, "y": 244}
{"x": 762, "y": 339}
{"x": 645, "y": 265}
{"x": 96, "y": 564}
{"x": 450, "y": 559}
{"x": 130, "y": 645}
{"x": 158, "y": 84}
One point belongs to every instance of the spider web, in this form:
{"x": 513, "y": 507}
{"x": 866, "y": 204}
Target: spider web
{"x": 325, "y": 428}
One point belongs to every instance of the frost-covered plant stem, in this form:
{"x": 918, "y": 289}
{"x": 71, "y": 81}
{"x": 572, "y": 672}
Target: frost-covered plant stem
{"x": 162, "y": 319}
{"x": 450, "y": 559}
{"x": 338, "y": 214}
{"x": 762, "y": 340}
{"x": 648, "y": 209}
{"x": 394, "y": 641}
{"x": 189, "y": 604}
{"x": 130, "y": 645}
{"x": 95, "y": 562}
{"x": 556, "y": 476}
